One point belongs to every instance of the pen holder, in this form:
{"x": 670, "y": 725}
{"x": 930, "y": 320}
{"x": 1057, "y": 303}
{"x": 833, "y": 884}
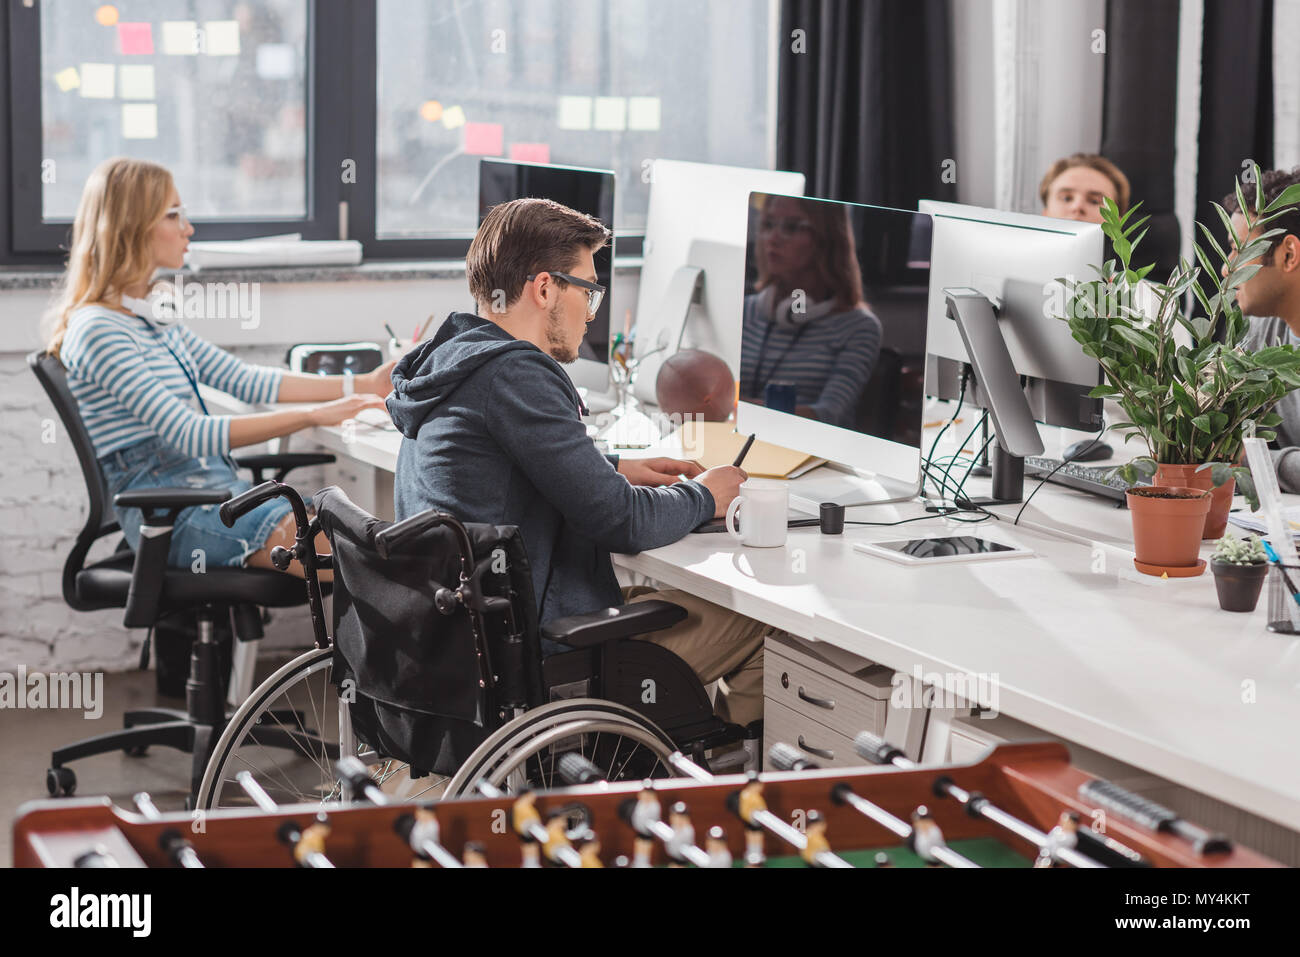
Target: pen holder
{"x": 1280, "y": 600}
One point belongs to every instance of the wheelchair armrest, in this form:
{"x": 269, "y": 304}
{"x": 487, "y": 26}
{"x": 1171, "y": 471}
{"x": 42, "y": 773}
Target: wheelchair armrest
{"x": 623, "y": 621}
{"x": 282, "y": 462}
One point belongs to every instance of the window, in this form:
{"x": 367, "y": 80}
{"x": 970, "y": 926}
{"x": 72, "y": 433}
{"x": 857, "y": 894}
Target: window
{"x": 175, "y": 82}
{"x": 574, "y": 82}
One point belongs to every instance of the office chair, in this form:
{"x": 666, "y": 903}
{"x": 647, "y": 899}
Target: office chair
{"x": 140, "y": 583}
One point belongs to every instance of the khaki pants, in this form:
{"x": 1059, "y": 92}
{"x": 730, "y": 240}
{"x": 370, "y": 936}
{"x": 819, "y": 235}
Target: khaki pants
{"x": 719, "y": 645}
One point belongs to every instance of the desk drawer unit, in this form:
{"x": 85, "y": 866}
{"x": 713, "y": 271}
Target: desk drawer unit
{"x": 805, "y": 694}
{"x": 816, "y": 742}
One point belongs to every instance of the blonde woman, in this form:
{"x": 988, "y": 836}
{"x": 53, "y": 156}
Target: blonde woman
{"x": 136, "y": 376}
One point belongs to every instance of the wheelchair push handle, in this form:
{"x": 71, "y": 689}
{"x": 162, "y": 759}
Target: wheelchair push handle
{"x": 387, "y": 540}
{"x": 245, "y": 502}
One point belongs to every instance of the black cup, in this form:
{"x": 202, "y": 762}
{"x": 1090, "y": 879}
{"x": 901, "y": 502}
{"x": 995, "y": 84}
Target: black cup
{"x": 832, "y": 518}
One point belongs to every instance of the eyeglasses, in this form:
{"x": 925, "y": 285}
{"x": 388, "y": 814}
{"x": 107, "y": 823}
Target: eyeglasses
{"x": 787, "y": 227}
{"x": 179, "y": 214}
{"x": 595, "y": 291}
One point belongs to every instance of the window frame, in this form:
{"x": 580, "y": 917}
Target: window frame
{"x": 341, "y": 33}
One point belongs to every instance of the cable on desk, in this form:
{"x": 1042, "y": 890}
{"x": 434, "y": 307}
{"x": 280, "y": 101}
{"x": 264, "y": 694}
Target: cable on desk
{"x": 961, "y": 398}
{"x": 970, "y": 435}
{"x": 1043, "y": 480}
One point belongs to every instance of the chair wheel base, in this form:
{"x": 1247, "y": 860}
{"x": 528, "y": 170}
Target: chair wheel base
{"x": 60, "y": 782}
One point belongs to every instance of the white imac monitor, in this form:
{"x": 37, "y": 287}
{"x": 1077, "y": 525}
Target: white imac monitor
{"x": 589, "y": 191}
{"x": 1014, "y": 259}
{"x": 694, "y": 253}
{"x": 833, "y": 343}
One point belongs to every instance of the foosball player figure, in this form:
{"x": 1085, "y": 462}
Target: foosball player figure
{"x": 750, "y": 802}
{"x": 683, "y": 835}
{"x": 424, "y": 828}
{"x": 589, "y": 849}
{"x": 557, "y": 837}
{"x": 815, "y": 835}
{"x": 715, "y": 846}
{"x": 1064, "y": 835}
{"x": 523, "y": 817}
{"x": 926, "y": 836}
{"x": 474, "y": 855}
{"x": 645, "y": 812}
{"x": 882, "y": 860}
{"x": 312, "y": 840}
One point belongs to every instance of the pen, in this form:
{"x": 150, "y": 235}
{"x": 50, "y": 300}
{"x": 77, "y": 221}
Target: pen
{"x": 424, "y": 328}
{"x": 1290, "y": 585}
{"x": 391, "y": 334}
{"x": 744, "y": 451}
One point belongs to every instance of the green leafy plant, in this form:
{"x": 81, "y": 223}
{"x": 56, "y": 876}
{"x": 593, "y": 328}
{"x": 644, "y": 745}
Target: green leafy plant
{"x": 1192, "y": 405}
{"x": 1232, "y": 550}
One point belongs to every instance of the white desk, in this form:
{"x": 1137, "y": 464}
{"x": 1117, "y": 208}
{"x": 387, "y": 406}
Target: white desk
{"x": 1149, "y": 672}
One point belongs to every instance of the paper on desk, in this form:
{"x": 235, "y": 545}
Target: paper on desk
{"x": 1254, "y": 521}
{"x": 718, "y": 443}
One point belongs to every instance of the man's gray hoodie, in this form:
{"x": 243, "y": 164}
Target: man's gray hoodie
{"x": 492, "y": 434}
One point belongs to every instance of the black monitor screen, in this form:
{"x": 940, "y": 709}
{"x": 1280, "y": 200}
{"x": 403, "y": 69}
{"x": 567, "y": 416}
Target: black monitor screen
{"x": 589, "y": 191}
{"x": 835, "y": 313}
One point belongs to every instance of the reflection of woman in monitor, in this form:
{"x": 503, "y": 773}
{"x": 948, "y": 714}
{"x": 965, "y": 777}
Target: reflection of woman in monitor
{"x": 805, "y": 321}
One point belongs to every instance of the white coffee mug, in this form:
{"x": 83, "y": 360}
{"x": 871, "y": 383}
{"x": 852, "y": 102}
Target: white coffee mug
{"x": 766, "y": 506}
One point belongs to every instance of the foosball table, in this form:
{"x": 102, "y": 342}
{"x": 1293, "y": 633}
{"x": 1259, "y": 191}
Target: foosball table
{"x": 1021, "y": 805}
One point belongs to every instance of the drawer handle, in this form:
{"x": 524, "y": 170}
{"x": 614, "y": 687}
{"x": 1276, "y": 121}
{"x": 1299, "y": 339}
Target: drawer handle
{"x": 827, "y": 703}
{"x": 820, "y": 752}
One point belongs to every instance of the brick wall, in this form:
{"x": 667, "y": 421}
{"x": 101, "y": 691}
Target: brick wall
{"x": 42, "y": 508}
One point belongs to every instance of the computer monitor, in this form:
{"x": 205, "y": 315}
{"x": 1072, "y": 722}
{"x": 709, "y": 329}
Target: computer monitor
{"x": 694, "y": 261}
{"x": 1014, "y": 259}
{"x": 833, "y": 342}
{"x": 589, "y": 191}
{"x": 1033, "y": 370}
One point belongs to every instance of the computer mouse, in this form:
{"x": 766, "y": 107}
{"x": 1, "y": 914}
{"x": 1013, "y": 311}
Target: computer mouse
{"x": 1088, "y": 450}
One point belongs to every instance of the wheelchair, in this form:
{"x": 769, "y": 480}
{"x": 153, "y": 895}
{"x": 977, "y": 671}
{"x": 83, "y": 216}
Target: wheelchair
{"x": 434, "y": 675}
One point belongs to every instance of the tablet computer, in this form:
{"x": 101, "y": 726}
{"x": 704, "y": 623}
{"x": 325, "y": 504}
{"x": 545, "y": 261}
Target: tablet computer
{"x": 932, "y": 551}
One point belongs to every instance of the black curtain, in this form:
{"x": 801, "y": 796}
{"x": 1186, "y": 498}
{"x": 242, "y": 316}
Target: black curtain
{"x": 865, "y": 105}
{"x": 1139, "y": 117}
{"x": 1236, "y": 99}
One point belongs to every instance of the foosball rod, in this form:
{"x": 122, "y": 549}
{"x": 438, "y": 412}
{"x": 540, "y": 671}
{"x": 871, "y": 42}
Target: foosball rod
{"x": 876, "y": 749}
{"x": 289, "y": 833}
{"x": 786, "y": 758}
{"x": 354, "y": 774}
{"x": 765, "y": 819}
{"x": 565, "y": 855}
{"x": 178, "y": 850}
{"x": 1152, "y": 816}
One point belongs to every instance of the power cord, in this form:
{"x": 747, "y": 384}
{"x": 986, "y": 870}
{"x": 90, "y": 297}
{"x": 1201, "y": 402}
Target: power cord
{"x": 1060, "y": 465}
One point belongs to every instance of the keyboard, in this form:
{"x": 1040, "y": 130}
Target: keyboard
{"x": 1095, "y": 481}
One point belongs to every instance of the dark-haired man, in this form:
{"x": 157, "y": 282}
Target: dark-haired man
{"x": 492, "y": 434}
{"x": 1271, "y": 298}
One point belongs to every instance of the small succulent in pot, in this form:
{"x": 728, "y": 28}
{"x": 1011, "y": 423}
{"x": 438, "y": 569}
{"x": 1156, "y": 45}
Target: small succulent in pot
{"x": 1240, "y": 566}
{"x": 1232, "y": 550}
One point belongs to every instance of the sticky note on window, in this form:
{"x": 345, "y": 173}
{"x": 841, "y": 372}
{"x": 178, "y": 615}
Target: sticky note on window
{"x": 67, "y": 79}
{"x": 643, "y": 112}
{"x": 135, "y": 39}
{"x": 180, "y": 37}
{"x": 453, "y": 117}
{"x": 221, "y": 37}
{"x": 575, "y": 113}
{"x": 611, "y": 113}
{"x": 139, "y": 121}
{"x": 275, "y": 61}
{"x": 530, "y": 152}
{"x": 136, "y": 82}
{"x": 97, "y": 80}
{"x": 484, "y": 139}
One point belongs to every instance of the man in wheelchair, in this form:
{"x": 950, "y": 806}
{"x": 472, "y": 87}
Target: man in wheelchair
{"x": 493, "y": 434}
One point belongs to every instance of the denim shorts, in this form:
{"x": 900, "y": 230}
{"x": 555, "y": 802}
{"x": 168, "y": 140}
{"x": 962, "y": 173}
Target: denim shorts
{"x": 198, "y": 532}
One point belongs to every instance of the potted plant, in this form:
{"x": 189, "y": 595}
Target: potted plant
{"x": 1192, "y": 404}
{"x": 1240, "y": 566}
{"x": 1167, "y": 523}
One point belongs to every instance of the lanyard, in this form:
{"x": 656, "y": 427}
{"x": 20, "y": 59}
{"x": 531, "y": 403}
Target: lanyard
{"x": 759, "y": 378}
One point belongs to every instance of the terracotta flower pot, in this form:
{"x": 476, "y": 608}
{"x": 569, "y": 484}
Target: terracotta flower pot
{"x": 1239, "y": 585}
{"x": 1186, "y": 476}
{"x": 1167, "y": 525}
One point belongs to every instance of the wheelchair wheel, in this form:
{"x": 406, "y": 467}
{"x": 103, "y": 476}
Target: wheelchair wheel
{"x": 289, "y": 733}
{"x": 526, "y": 750}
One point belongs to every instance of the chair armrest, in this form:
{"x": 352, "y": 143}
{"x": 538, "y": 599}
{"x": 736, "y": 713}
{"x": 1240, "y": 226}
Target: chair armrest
{"x": 282, "y": 462}
{"x": 623, "y": 621}
{"x": 159, "y": 508}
